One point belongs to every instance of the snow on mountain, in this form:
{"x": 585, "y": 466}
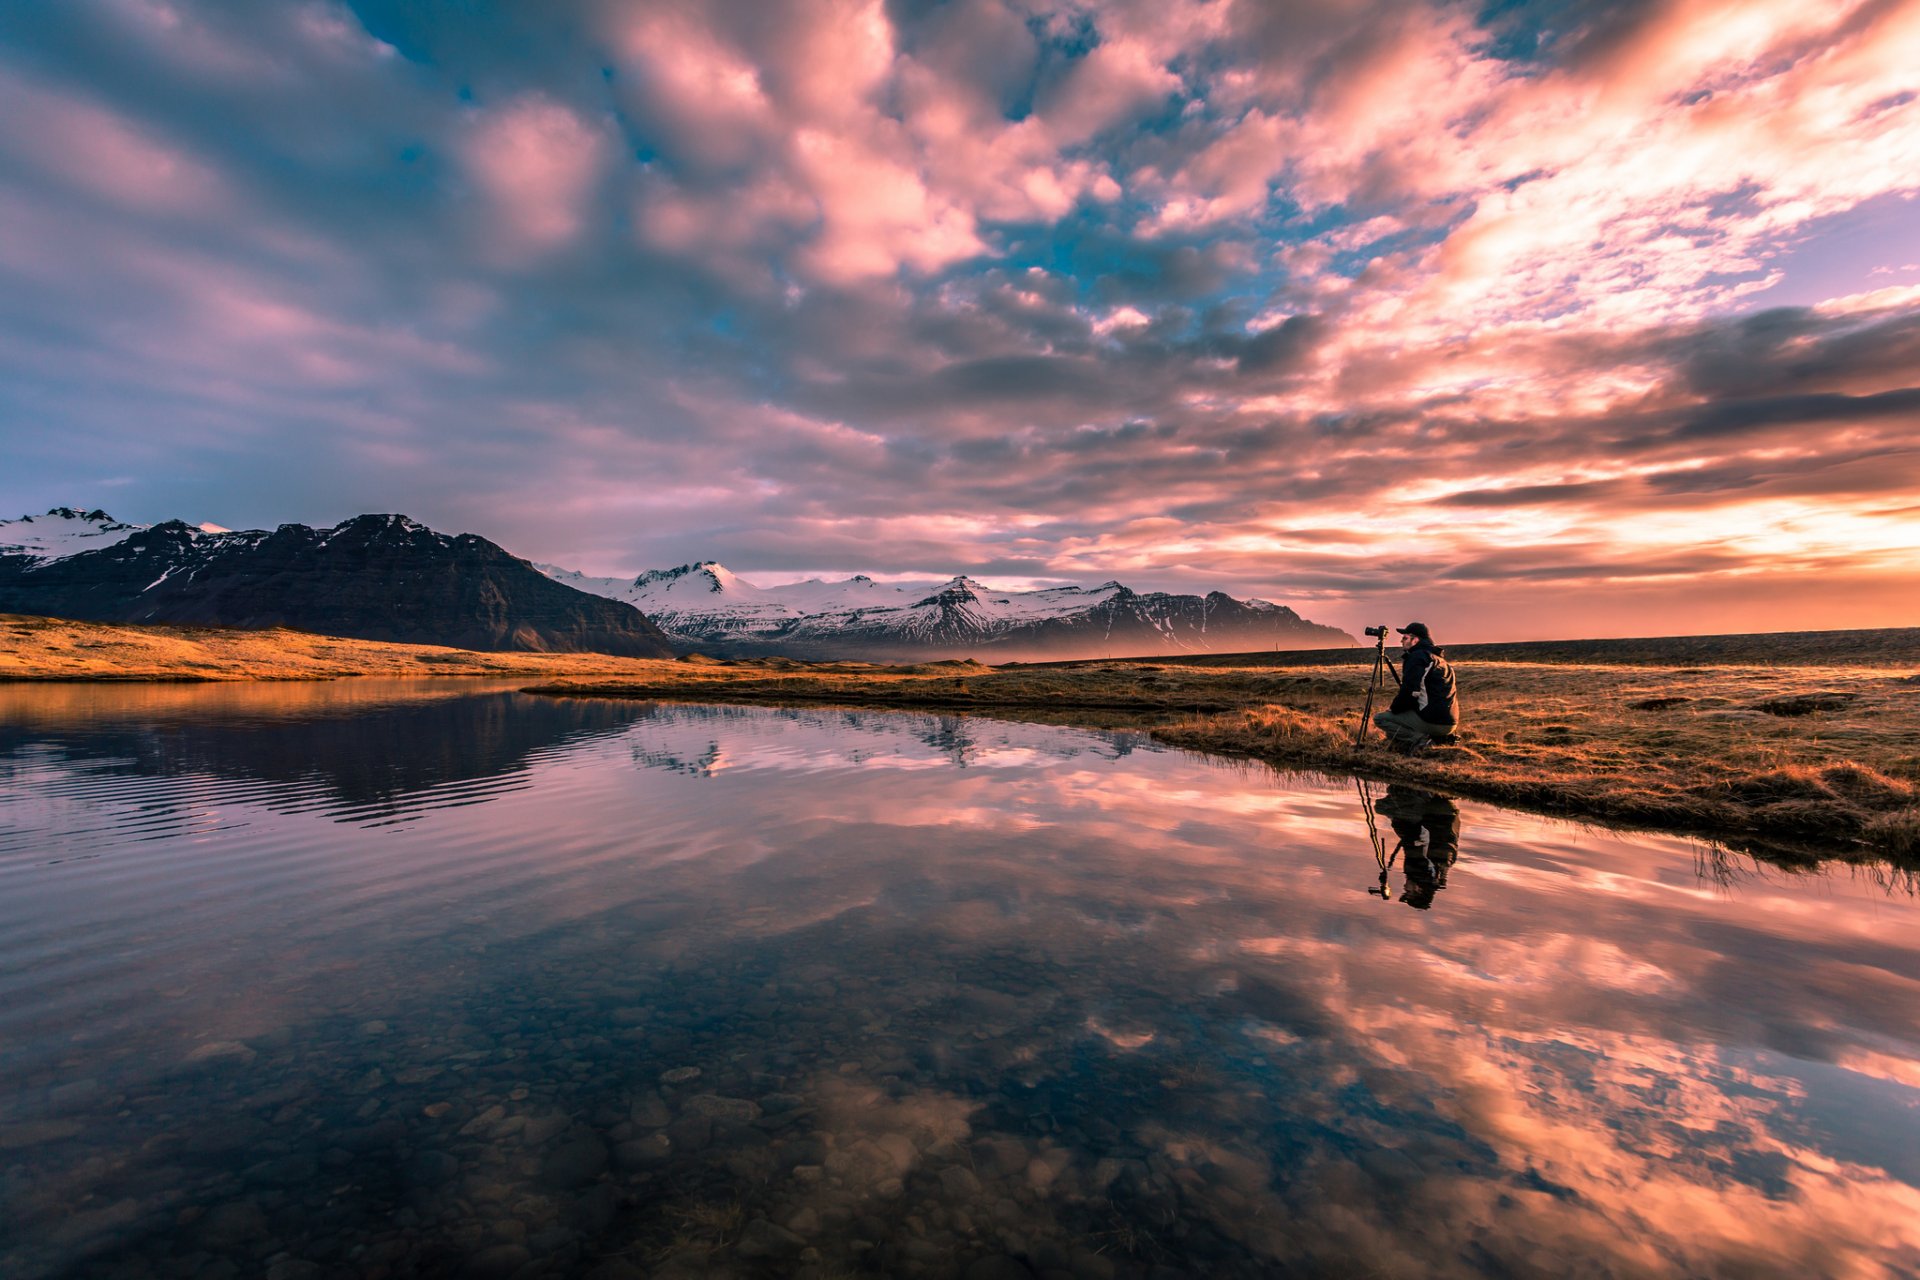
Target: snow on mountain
{"x": 374, "y": 577}
{"x": 705, "y": 604}
{"x": 62, "y": 532}
{"x": 697, "y": 599}
{"x": 68, "y": 531}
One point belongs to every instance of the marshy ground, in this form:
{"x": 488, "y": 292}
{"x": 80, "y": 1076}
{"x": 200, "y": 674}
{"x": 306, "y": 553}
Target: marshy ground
{"x": 1804, "y": 741}
{"x": 1788, "y": 748}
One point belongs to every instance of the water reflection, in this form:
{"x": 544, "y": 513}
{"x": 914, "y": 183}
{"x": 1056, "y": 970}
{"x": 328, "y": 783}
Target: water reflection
{"x": 1426, "y": 844}
{"x": 737, "y": 992}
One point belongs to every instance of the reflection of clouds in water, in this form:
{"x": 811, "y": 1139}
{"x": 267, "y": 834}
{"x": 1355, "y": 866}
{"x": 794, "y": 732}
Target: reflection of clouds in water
{"x": 706, "y": 739}
{"x": 1549, "y": 961}
{"x": 1677, "y": 1152}
{"x": 1129, "y": 997}
{"x": 1882, "y": 1066}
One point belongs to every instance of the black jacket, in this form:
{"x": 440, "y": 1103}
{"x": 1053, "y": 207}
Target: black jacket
{"x": 1424, "y": 671}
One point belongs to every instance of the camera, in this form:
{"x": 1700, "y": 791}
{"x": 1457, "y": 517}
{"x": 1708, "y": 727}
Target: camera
{"x": 1380, "y": 631}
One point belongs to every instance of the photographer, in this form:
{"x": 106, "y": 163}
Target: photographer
{"x": 1424, "y": 709}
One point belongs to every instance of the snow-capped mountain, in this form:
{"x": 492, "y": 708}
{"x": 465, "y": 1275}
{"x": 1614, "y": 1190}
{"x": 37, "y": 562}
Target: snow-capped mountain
{"x": 385, "y": 577}
{"x": 375, "y": 577}
{"x": 707, "y": 606}
{"x": 66, "y": 531}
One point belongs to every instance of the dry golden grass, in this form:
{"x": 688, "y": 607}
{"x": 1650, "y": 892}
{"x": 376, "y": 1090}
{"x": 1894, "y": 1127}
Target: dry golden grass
{"x": 1825, "y": 756}
{"x": 1786, "y": 751}
{"x": 57, "y": 649}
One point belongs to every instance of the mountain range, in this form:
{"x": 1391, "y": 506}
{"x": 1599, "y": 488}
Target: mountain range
{"x": 385, "y": 577}
{"x": 708, "y": 607}
{"x": 375, "y": 577}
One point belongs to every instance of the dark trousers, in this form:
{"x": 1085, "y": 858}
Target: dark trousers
{"x": 1407, "y": 727}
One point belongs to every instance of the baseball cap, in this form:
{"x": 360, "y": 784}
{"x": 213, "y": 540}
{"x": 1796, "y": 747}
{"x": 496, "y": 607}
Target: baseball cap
{"x": 1416, "y": 629}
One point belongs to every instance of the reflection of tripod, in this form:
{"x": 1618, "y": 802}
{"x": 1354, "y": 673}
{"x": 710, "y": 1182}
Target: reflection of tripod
{"x": 1381, "y": 858}
{"x": 1373, "y": 681}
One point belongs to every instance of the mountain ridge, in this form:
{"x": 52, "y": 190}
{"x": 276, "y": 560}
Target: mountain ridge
{"x": 388, "y": 577}
{"x": 373, "y": 577}
{"x": 705, "y": 605}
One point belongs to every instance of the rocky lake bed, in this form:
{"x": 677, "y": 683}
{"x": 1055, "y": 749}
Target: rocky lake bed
{"x": 466, "y": 982}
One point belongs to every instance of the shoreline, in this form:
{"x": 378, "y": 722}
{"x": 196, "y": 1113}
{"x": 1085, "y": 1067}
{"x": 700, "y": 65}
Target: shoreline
{"x": 1782, "y": 782}
{"x": 1812, "y": 753}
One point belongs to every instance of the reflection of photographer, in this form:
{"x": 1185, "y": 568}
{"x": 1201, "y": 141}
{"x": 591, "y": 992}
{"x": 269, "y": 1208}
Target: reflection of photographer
{"x": 1427, "y": 828}
{"x": 1424, "y": 710}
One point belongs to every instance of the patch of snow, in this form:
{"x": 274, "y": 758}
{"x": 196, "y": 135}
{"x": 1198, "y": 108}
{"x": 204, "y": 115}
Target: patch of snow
{"x": 62, "y": 532}
{"x": 706, "y": 598}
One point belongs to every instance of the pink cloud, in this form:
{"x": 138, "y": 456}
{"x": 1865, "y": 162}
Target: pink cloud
{"x": 107, "y": 155}
{"x": 536, "y": 163}
{"x": 1117, "y": 81}
{"x": 876, "y": 214}
{"x": 901, "y": 155}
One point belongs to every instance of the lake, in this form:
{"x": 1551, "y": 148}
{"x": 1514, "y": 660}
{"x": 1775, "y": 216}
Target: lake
{"x": 436, "y": 978}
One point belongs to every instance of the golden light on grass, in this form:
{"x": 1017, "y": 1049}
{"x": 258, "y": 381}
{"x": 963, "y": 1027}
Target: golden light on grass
{"x": 1813, "y": 744}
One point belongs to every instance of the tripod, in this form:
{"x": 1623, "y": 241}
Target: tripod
{"x": 1373, "y": 683}
{"x": 1381, "y": 857}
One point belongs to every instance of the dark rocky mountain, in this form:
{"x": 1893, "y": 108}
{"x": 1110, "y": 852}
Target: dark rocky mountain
{"x": 375, "y": 577}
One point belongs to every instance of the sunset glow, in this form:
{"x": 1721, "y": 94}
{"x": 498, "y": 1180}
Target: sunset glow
{"x": 1525, "y": 318}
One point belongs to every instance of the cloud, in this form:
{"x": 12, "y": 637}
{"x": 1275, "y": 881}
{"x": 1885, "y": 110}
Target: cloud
{"x": 1318, "y": 303}
{"x": 536, "y": 163}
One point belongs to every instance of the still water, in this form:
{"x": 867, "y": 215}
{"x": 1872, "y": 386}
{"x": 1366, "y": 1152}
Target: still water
{"x": 370, "y": 979}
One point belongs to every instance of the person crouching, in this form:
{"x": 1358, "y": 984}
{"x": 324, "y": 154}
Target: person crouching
{"x": 1425, "y": 708}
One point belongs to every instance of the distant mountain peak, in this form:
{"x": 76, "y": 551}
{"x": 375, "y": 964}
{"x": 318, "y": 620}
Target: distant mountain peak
{"x": 376, "y": 577}
{"x": 95, "y": 516}
{"x": 382, "y": 522}
{"x": 62, "y": 532}
{"x": 707, "y": 606}
{"x": 708, "y": 575}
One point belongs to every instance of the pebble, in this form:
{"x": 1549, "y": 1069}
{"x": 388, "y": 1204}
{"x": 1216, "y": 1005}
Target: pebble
{"x": 574, "y": 1162}
{"x": 1044, "y": 1168}
{"x": 644, "y": 1153}
{"x": 650, "y": 1111}
{"x": 899, "y": 1150}
{"x": 762, "y": 1239}
{"x": 959, "y": 1182}
{"x": 432, "y": 1168}
{"x": 485, "y": 1120}
{"x": 234, "y": 1222}
{"x": 715, "y": 1107}
{"x": 497, "y": 1262}
{"x": 538, "y": 1131}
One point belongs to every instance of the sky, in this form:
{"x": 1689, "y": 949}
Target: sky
{"x": 1525, "y": 318}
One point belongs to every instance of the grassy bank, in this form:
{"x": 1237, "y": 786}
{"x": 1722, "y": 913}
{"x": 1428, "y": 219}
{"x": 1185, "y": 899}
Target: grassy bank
{"x": 1822, "y": 756}
{"x": 34, "y": 648}
{"x": 1810, "y": 740}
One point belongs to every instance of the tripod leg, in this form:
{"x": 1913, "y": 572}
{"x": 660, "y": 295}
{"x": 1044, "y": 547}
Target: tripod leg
{"x": 1373, "y": 683}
